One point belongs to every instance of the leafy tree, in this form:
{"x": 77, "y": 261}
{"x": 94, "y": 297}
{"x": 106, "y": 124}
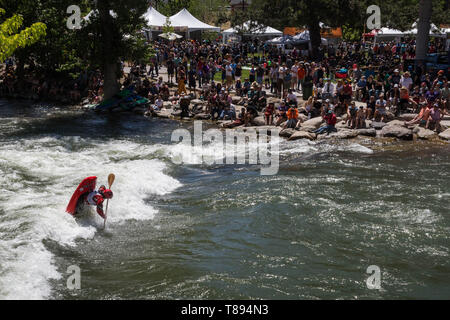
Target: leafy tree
{"x": 167, "y": 28}
{"x": 113, "y": 33}
{"x": 171, "y": 7}
{"x": 423, "y": 29}
{"x": 282, "y": 13}
{"x": 54, "y": 54}
{"x": 13, "y": 38}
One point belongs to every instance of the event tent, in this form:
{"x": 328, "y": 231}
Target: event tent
{"x": 434, "y": 30}
{"x": 154, "y": 18}
{"x": 185, "y": 19}
{"x": 304, "y": 36}
{"x": 387, "y": 32}
{"x": 95, "y": 12}
{"x": 170, "y": 36}
{"x": 267, "y": 31}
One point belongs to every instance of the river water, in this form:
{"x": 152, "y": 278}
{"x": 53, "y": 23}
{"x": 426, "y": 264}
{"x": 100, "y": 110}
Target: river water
{"x": 216, "y": 231}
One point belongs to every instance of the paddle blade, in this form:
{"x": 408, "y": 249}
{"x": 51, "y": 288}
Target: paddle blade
{"x": 111, "y": 179}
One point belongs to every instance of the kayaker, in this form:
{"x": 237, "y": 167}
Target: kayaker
{"x": 96, "y": 198}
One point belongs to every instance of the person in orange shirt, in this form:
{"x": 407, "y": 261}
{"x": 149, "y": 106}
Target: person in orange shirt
{"x": 422, "y": 117}
{"x": 301, "y": 73}
{"x": 292, "y": 115}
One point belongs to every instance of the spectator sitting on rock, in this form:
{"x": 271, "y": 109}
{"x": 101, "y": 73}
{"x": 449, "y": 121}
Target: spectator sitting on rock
{"x": 246, "y": 87}
{"x": 228, "y": 113}
{"x": 281, "y": 113}
{"x": 262, "y": 100}
{"x": 292, "y": 115}
{"x": 251, "y": 114}
{"x": 361, "y": 118}
{"x": 238, "y": 86}
{"x": 185, "y": 101}
{"x": 380, "y": 109}
{"x": 268, "y": 113}
{"x": 370, "y": 108}
{"x": 291, "y": 98}
{"x": 422, "y": 117}
{"x": 331, "y": 120}
{"x": 351, "y": 115}
{"x": 434, "y": 120}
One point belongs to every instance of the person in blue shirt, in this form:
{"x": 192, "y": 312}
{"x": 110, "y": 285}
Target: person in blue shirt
{"x": 361, "y": 87}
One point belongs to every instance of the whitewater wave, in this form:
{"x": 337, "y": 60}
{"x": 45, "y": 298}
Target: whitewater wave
{"x": 38, "y": 177}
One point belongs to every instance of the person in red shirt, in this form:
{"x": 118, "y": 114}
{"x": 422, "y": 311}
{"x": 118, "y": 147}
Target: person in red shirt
{"x": 347, "y": 93}
{"x": 96, "y": 198}
{"x": 330, "y": 119}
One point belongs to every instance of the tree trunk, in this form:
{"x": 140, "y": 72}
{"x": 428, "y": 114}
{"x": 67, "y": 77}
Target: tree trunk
{"x": 316, "y": 39}
{"x": 110, "y": 73}
{"x": 423, "y": 30}
{"x": 110, "y": 62}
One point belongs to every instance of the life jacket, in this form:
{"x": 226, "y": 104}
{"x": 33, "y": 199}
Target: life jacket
{"x": 90, "y": 198}
{"x": 292, "y": 113}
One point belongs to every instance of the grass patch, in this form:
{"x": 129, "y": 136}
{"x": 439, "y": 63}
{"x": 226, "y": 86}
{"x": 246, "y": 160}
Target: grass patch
{"x": 245, "y": 75}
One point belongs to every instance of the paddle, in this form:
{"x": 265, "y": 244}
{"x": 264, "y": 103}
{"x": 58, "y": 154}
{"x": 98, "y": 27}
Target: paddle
{"x": 111, "y": 179}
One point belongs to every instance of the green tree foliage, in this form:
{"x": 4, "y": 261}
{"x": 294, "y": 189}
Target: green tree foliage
{"x": 113, "y": 33}
{"x": 298, "y": 13}
{"x": 349, "y": 14}
{"x": 56, "y": 52}
{"x": 12, "y": 37}
{"x": 171, "y": 7}
{"x": 209, "y": 11}
{"x": 167, "y": 28}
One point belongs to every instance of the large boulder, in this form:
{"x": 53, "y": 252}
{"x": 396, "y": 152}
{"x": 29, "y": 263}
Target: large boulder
{"x": 259, "y": 121}
{"x": 274, "y": 100}
{"x": 236, "y": 99}
{"x": 445, "y": 135}
{"x": 396, "y": 123}
{"x": 202, "y": 116}
{"x": 367, "y": 132}
{"x": 424, "y": 134}
{"x": 445, "y": 124}
{"x": 395, "y": 131}
{"x": 341, "y": 125}
{"x": 390, "y": 116}
{"x": 308, "y": 129}
{"x": 287, "y": 133}
{"x": 303, "y": 117}
{"x": 167, "y": 104}
{"x": 345, "y": 134}
{"x": 408, "y": 116}
{"x": 302, "y": 135}
{"x": 315, "y": 122}
{"x": 378, "y": 125}
{"x": 177, "y": 113}
{"x": 197, "y": 101}
{"x": 165, "y": 113}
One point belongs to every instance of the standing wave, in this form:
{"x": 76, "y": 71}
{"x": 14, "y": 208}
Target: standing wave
{"x": 38, "y": 177}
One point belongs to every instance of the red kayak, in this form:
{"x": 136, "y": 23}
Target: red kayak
{"x": 87, "y": 186}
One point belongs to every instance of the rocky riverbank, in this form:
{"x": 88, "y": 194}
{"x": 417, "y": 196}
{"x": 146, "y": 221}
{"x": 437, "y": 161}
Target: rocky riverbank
{"x": 394, "y": 128}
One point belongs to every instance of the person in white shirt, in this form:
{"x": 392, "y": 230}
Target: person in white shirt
{"x": 328, "y": 90}
{"x": 281, "y": 73}
{"x": 294, "y": 72}
{"x": 292, "y": 98}
{"x": 406, "y": 81}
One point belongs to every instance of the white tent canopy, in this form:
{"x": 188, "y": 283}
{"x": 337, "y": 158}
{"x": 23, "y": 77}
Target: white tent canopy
{"x": 268, "y": 31}
{"x": 154, "y": 18}
{"x": 87, "y": 18}
{"x": 170, "y": 36}
{"x": 304, "y": 36}
{"x": 185, "y": 19}
{"x": 387, "y": 32}
{"x": 434, "y": 30}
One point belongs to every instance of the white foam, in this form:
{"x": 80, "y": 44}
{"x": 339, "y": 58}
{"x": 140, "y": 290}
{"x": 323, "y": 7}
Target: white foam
{"x": 38, "y": 177}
